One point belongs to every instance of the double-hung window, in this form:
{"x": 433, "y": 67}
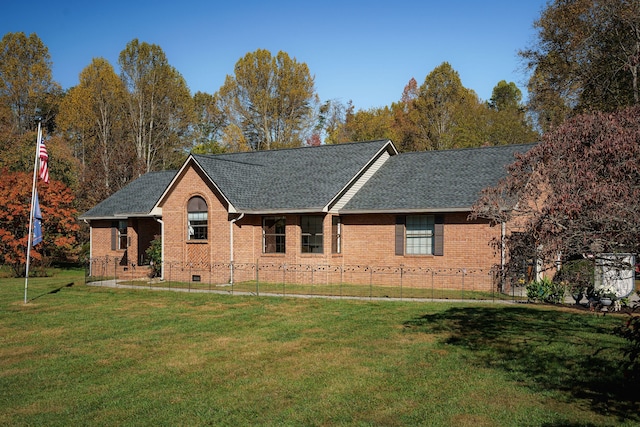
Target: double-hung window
{"x": 419, "y": 234}
{"x": 273, "y": 234}
{"x": 119, "y": 237}
{"x": 312, "y": 235}
{"x": 336, "y": 235}
{"x": 197, "y": 219}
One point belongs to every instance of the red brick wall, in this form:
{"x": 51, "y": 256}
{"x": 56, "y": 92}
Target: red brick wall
{"x": 121, "y": 262}
{"x": 178, "y": 249}
{"x": 370, "y": 239}
{"x": 367, "y": 241}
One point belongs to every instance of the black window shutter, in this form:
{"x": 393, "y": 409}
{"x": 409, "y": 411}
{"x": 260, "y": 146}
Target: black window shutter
{"x": 400, "y": 222}
{"x": 438, "y": 236}
{"x": 114, "y": 235}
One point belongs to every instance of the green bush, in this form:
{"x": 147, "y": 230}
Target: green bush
{"x": 545, "y": 290}
{"x": 154, "y": 252}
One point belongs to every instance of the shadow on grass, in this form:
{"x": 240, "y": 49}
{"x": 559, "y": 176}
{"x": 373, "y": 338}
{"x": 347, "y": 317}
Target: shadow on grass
{"x": 575, "y": 356}
{"x": 53, "y": 291}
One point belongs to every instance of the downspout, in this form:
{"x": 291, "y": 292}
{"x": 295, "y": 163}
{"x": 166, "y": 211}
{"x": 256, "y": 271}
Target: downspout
{"x": 231, "y": 246}
{"x": 503, "y": 255}
{"x": 162, "y": 248}
{"x": 90, "y": 247}
{"x": 503, "y": 252}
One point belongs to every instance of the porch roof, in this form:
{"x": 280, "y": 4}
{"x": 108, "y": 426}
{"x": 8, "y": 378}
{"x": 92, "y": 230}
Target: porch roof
{"x": 138, "y": 198}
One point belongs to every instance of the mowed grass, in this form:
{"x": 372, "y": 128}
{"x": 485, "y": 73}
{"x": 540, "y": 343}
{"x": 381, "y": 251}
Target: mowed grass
{"x": 80, "y": 355}
{"x": 344, "y": 290}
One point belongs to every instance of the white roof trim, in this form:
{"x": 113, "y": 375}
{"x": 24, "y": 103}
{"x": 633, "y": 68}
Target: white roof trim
{"x": 402, "y": 211}
{"x": 120, "y": 216}
{"x": 385, "y": 148}
{"x": 231, "y": 209}
{"x": 281, "y": 211}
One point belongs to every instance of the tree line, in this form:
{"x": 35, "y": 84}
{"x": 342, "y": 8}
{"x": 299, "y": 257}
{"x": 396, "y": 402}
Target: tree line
{"x": 113, "y": 126}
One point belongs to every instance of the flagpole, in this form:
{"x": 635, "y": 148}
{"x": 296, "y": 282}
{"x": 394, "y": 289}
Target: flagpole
{"x": 31, "y": 210}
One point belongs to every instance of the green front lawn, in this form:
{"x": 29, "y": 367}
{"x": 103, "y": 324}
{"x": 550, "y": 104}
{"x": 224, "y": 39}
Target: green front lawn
{"x": 79, "y": 355}
{"x": 344, "y": 290}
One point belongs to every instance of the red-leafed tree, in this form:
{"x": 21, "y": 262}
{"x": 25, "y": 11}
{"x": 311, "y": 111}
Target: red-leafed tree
{"x": 59, "y": 223}
{"x": 576, "y": 193}
{"x": 314, "y": 140}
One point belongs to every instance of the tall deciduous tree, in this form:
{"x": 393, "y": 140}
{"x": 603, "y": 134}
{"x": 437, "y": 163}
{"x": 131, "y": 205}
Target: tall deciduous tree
{"x": 210, "y": 123}
{"x": 25, "y": 79}
{"x": 58, "y": 221}
{"x": 505, "y": 96}
{"x": 270, "y": 99}
{"x": 443, "y": 105}
{"x": 577, "y": 192}
{"x": 159, "y": 106}
{"x": 406, "y": 119}
{"x": 92, "y": 119}
{"x": 508, "y": 122}
{"x": 586, "y": 57}
{"x": 439, "y": 114}
{"x": 331, "y": 119}
{"x": 366, "y": 125}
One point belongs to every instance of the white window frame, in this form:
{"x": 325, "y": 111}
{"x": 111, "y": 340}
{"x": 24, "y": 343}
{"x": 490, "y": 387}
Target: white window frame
{"x": 419, "y": 234}
{"x": 198, "y": 222}
{"x": 312, "y": 237}
{"x": 280, "y": 238}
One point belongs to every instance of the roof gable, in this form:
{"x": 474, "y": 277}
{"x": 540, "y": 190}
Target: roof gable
{"x": 298, "y": 179}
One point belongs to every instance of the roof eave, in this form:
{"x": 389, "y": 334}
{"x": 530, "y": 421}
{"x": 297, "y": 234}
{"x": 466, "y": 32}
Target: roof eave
{"x": 317, "y": 210}
{"x": 119, "y": 216}
{"x": 404, "y": 210}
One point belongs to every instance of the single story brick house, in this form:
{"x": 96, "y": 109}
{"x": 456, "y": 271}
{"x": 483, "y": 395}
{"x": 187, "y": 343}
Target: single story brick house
{"x": 328, "y": 207}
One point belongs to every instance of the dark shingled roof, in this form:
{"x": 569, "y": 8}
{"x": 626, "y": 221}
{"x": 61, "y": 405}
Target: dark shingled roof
{"x": 434, "y": 180}
{"x": 308, "y": 179}
{"x": 136, "y": 199}
{"x": 291, "y": 179}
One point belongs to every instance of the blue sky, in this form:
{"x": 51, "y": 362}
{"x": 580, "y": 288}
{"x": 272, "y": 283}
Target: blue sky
{"x": 364, "y": 51}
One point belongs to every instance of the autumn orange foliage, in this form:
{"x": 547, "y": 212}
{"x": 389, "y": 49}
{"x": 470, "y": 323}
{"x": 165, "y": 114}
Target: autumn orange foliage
{"x": 59, "y": 222}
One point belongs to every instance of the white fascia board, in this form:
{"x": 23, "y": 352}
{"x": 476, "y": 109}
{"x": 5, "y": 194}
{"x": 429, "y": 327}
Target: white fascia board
{"x": 281, "y": 211}
{"x": 402, "y": 211}
{"x": 120, "y": 216}
{"x": 175, "y": 179}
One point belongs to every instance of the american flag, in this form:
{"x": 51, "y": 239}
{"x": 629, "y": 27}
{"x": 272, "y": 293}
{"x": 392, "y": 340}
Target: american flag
{"x": 44, "y": 158}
